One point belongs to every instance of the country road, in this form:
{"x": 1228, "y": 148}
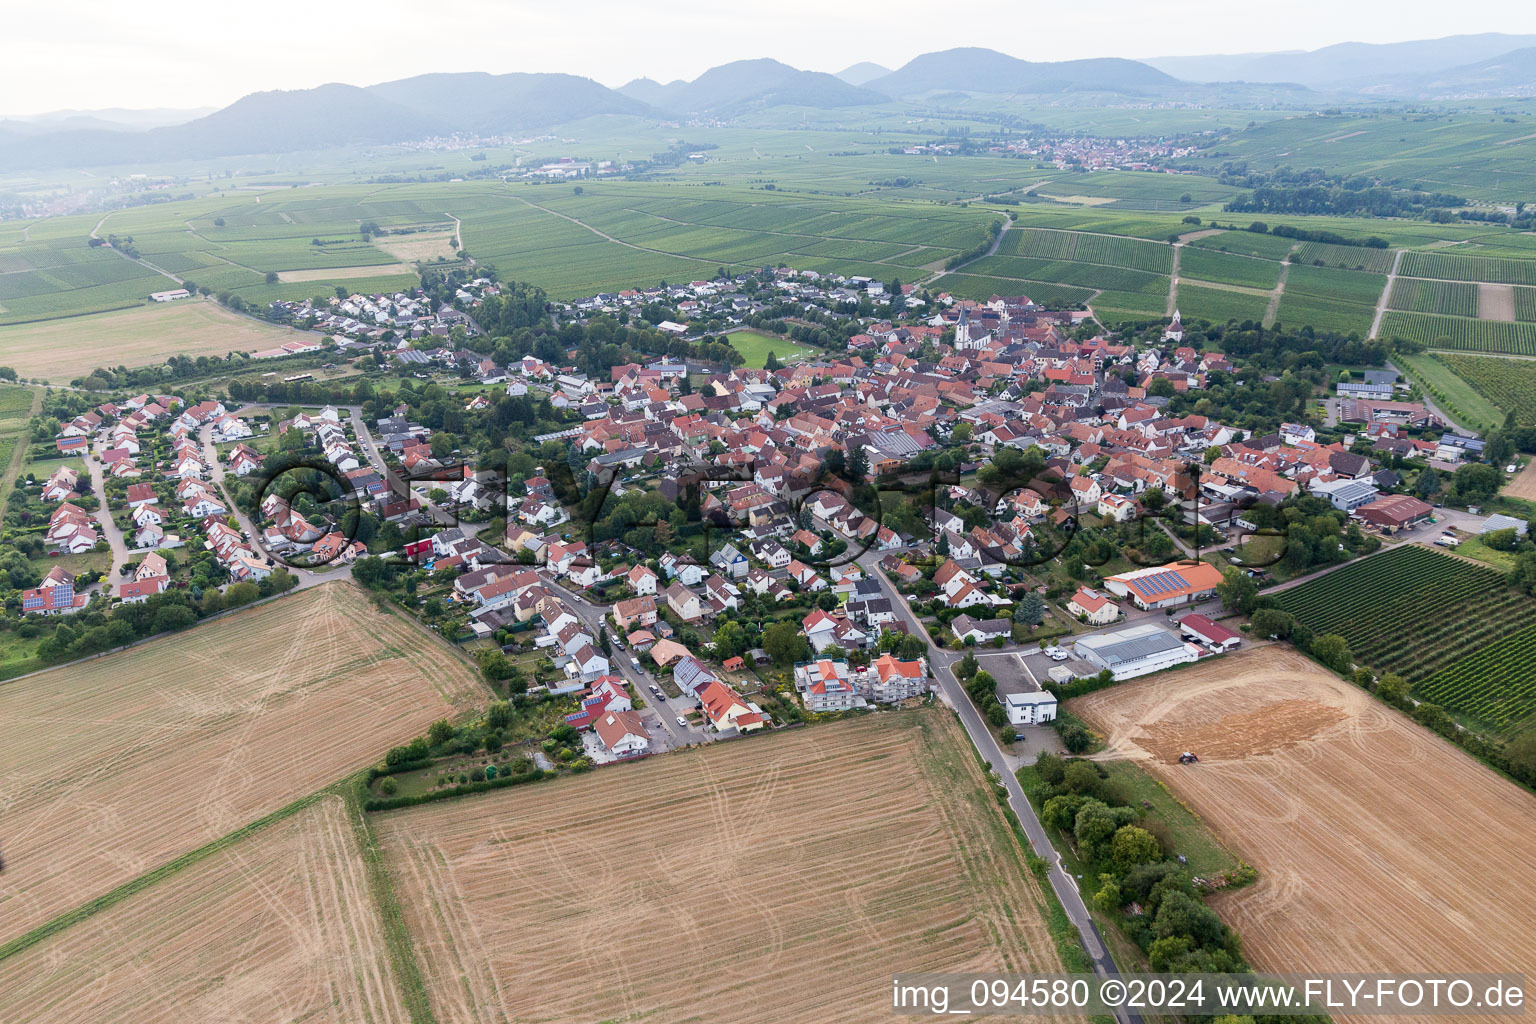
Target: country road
{"x": 1063, "y": 884}
{"x": 1386, "y": 294}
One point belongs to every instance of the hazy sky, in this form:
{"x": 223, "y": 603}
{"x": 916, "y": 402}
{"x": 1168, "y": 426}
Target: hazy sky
{"x": 107, "y": 53}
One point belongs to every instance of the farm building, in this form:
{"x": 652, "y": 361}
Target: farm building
{"x": 1395, "y": 512}
{"x": 1346, "y": 495}
{"x": 1164, "y": 586}
{"x": 1212, "y": 634}
{"x": 1034, "y": 708}
{"x": 170, "y": 296}
{"x": 1136, "y": 651}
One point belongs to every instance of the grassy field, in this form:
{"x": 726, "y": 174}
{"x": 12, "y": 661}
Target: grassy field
{"x": 755, "y": 346}
{"x": 1460, "y": 333}
{"x": 126, "y": 761}
{"x": 1329, "y": 299}
{"x": 59, "y": 351}
{"x": 1471, "y": 407}
{"x": 1283, "y": 745}
{"x": 737, "y": 864}
{"x": 279, "y": 925}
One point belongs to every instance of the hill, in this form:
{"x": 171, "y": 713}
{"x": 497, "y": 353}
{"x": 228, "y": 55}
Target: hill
{"x": 1509, "y": 74}
{"x": 862, "y": 73}
{"x": 976, "y": 69}
{"x": 263, "y": 122}
{"x": 1353, "y": 66}
{"x": 476, "y": 101}
{"x": 752, "y": 83}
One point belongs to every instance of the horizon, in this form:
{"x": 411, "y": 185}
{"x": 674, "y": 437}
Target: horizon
{"x": 258, "y": 57}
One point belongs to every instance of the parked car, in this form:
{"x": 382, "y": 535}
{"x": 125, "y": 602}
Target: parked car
{"x": 682, "y": 721}
{"x": 1056, "y": 654}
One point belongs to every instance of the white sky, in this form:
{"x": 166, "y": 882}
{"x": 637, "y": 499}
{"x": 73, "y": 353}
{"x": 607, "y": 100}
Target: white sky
{"x": 107, "y": 53}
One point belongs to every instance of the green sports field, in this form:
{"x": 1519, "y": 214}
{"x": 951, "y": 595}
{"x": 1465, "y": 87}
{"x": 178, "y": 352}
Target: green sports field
{"x": 755, "y": 346}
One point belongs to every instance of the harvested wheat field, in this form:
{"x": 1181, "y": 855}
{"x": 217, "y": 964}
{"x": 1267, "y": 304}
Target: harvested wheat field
{"x": 1524, "y": 483}
{"x": 781, "y": 878}
{"x": 1379, "y": 846}
{"x": 279, "y": 926}
{"x": 111, "y": 768}
{"x": 61, "y": 350}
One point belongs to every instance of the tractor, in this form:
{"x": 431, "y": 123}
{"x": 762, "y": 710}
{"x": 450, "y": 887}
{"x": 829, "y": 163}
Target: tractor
{"x": 1188, "y": 758}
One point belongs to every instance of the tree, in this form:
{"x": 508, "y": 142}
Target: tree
{"x": 784, "y": 643}
{"x": 271, "y": 277}
{"x": 1081, "y": 777}
{"x": 962, "y": 433}
{"x": 1133, "y": 846}
{"x": 1268, "y": 622}
{"x": 1238, "y": 591}
{"x": 1427, "y": 484}
{"x": 772, "y": 362}
{"x": 1183, "y": 914}
{"x": 1093, "y": 828}
{"x": 911, "y": 648}
{"x": 1030, "y": 609}
{"x": 1108, "y": 897}
{"x": 238, "y": 594}
{"x": 440, "y": 732}
{"x": 1333, "y": 650}
{"x": 966, "y": 667}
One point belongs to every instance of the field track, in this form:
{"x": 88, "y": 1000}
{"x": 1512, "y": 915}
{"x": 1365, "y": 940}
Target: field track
{"x": 111, "y": 768}
{"x": 774, "y": 879}
{"x": 1377, "y": 843}
{"x": 278, "y": 927}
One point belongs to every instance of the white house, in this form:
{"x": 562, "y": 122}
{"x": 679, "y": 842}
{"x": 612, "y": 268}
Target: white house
{"x": 1093, "y": 607}
{"x": 1030, "y": 708}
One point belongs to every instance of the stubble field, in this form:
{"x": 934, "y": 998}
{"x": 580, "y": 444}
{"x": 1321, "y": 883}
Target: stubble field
{"x": 276, "y": 927}
{"x": 58, "y": 351}
{"x": 770, "y": 880}
{"x": 112, "y": 768}
{"x": 1377, "y": 843}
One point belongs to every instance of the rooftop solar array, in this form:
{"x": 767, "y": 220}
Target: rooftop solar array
{"x": 1165, "y": 582}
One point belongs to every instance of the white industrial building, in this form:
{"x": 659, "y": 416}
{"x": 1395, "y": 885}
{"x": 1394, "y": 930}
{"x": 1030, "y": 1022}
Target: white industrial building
{"x": 1136, "y": 651}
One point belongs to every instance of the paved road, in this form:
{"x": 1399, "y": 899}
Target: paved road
{"x": 592, "y": 616}
{"x": 985, "y": 739}
{"x": 307, "y": 578}
{"x": 115, "y": 538}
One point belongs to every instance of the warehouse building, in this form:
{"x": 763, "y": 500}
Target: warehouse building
{"x": 1136, "y": 651}
{"x": 1165, "y": 586}
{"x": 1394, "y": 512}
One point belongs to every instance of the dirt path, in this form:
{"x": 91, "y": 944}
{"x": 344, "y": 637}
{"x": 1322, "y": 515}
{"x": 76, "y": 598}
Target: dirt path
{"x": 1495, "y": 301}
{"x": 1173, "y": 279}
{"x": 1386, "y": 293}
{"x": 616, "y": 241}
{"x": 1273, "y": 309}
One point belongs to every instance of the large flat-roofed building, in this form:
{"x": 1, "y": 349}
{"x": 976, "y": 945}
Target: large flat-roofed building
{"x": 1395, "y": 511}
{"x": 1136, "y": 651}
{"x": 1165, "y": 586}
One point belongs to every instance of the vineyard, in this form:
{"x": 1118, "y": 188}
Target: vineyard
{"x": 1509, "y": 384}
{"x": 1346, "y": 257}
{"x": 1438, "y": 621}
{"x": 1451, "y": 298}
{"x": 1495, "y": 270}
{"x": 1109, "y": 250}
{"x": 1461, "y": 333}
{"x": 1525, "y": 304}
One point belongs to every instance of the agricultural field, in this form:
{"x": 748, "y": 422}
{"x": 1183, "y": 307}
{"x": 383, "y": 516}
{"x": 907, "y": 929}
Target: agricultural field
{"x": 755, "y": 346}
{"x": 1330, "y": 300}
{"x": 1283, "y": 747}
{"x": 976, "y": 286}
{"x": 42, "y": 280}
{"x": 1246, "y": 243}
{"x": 1509, "y": 384}
{"x": 59, "y": 351}
{"x": 117, "y": 765}
{"x": 1083, "y": 247}
{"x": 1454, "y": 267}
{"x": 1460, "y": 333}
{"x": 1344, "y": 257}
{"x": 737, "y": 864}
{"x": 1377, "y": 605}
{"x": 1219, "y": 305}
{"x": 1226, "y": 268}
{"x": 278, "y": 925}
{"x": 1525, "y": 304}
{"x": 16, "y": 406}
{"x": 1448, "y": 298}
{"x": 1453, "y": 394}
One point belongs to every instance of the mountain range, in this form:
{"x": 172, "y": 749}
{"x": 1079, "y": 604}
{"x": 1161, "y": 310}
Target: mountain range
{"x": 334, "y": 115}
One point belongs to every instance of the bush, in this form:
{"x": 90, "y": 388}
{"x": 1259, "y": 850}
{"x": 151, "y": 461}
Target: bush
{"x": 388, "y": 787}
